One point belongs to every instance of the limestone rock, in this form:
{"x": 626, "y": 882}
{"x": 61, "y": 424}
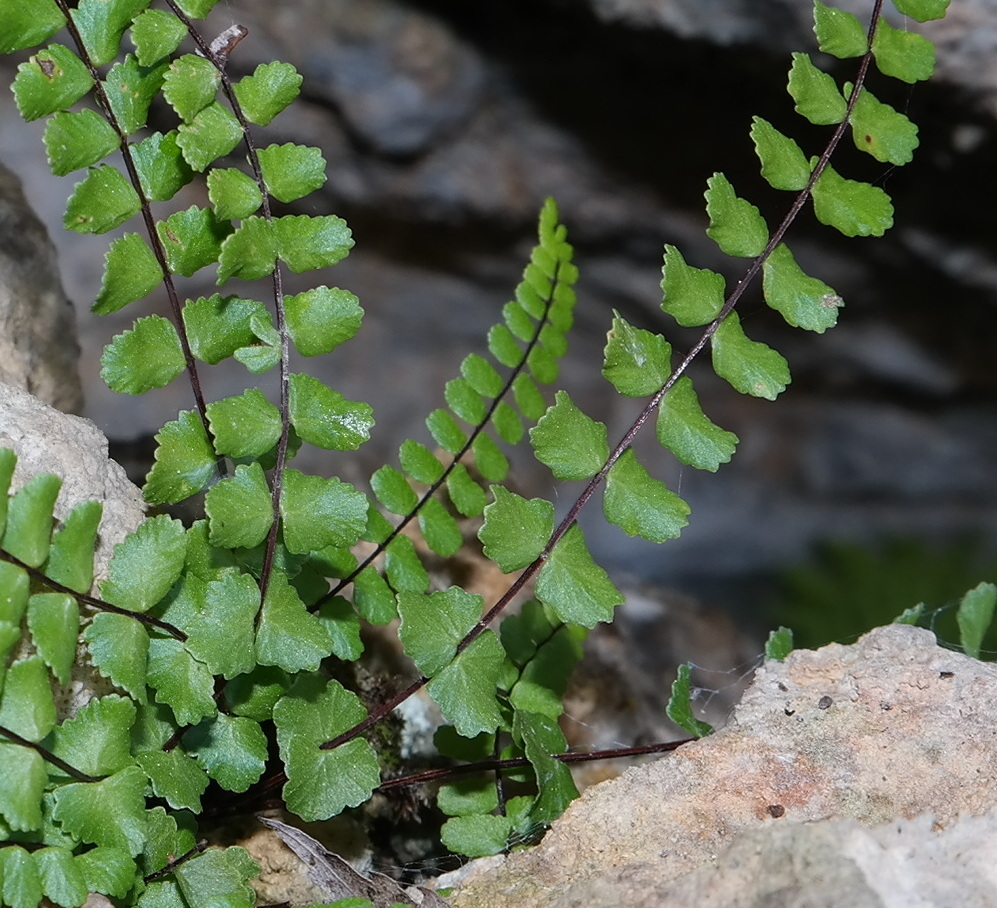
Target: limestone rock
{"x": 891, "y": 728}
{"x": 840, "y": 864}
{"x": 49, "y": 441}
{"x": 38, "y": 348}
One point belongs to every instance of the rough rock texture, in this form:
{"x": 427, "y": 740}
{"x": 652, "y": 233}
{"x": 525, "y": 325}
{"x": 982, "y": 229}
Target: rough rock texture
{"x": 888, "y": 729}
{"x": 38, "y": 347}
{"x": 839, "y": 864}
{"x": 49, "y": 441}
{"x": 833, "y": 864}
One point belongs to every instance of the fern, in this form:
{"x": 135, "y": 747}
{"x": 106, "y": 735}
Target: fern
{"x": 245, "y": 620}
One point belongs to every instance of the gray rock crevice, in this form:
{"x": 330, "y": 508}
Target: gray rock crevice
{"x": 38, "y": 346}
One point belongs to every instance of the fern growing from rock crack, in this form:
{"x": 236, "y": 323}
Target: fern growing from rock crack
{"x": 209, "y": 633}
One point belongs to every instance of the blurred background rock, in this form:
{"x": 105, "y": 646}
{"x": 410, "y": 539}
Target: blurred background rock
{"x": 445, "y": 124}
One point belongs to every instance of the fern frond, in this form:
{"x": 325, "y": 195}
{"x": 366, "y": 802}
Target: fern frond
{"x": 528, "y": 343}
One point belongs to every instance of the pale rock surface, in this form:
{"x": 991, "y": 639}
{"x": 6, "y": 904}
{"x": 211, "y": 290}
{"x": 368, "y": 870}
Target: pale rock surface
{"x": 73, "y": 448}
{"x": 783, "y": 803}
{"x": 38, "y": 347}
{"x": 841, "y": 864}
{"x": 49, "y": 441}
